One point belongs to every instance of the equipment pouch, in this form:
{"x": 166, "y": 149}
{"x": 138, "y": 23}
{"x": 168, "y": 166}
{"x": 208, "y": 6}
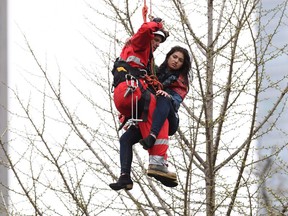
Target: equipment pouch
{"x": 121, "y": 69}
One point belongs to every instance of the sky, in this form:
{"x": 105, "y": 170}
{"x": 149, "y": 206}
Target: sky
{"x": 53, "y": 28}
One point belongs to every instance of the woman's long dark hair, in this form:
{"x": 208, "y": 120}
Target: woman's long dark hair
{"x": 186, "y": 67}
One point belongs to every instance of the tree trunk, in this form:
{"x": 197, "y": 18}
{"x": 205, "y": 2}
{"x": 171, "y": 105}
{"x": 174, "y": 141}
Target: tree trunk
{"x": 209, "y": 173}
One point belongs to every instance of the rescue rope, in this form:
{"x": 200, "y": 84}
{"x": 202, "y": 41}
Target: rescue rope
{"x": 145, "y": 10}
{"x": 153, "y": 81}
{"x": 150, "y": 15}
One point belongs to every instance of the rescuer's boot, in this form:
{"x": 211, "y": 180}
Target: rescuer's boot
{"x": 161, "y": 173}
{"x": 167, "y": 182}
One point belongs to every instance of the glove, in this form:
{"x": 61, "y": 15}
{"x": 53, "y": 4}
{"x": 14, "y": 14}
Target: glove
{"x": 123, "y": 121}
{"x": 121, "y": 117}
{"x": 166, "y": 33}
{"x": 157, "y": 20}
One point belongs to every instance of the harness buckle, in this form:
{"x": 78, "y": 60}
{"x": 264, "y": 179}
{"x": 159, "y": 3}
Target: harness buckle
{"x": 132, "y": 84}
{"x": 143, "y": 71}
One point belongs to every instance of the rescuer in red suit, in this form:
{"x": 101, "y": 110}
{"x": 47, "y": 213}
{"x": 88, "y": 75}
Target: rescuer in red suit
{"x": 131, "y": 87}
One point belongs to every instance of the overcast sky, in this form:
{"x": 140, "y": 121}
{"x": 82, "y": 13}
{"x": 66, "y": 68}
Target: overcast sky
{"x": 53, "y": 28}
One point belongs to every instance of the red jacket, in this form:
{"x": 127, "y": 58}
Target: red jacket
{"x": 180, "y": 86}
{"x": 137, "y": 51}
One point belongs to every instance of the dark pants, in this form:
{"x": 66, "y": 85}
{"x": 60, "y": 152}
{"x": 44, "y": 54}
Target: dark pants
{"x": 127, "y": 140}
{"x": 164, "y": 109}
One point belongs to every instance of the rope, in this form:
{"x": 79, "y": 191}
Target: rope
{"x": 150, "y": 15}
{"x": 153, "y": 81}
{"x": 145, "y": 11}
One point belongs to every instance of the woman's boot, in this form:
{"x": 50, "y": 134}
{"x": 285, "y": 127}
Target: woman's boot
{"x": 124, "y": 182}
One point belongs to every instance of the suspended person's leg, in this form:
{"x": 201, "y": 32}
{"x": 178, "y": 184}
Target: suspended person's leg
{"x": 173, "y": 120}
{"x": 127, "y": 140}
{"x": 160, "y": 114}
{"x": 158, "y": 153}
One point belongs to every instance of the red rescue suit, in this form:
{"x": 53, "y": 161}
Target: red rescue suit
{"x": 158, "y": 153}
{"x": 137, "y": 52}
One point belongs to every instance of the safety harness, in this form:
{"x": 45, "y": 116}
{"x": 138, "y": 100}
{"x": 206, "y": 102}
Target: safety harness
{"x": 123, "y": 72}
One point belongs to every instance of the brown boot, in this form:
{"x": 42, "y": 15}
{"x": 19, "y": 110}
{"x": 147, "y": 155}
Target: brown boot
{"x": 162, "y": 174}
{"x": 167, "y": 182}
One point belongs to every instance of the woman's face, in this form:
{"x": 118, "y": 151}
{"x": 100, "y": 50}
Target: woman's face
{"x": 175, "y": 61}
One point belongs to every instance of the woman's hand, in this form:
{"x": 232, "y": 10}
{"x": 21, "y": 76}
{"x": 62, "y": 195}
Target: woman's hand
{"x": 163, "y": 93}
